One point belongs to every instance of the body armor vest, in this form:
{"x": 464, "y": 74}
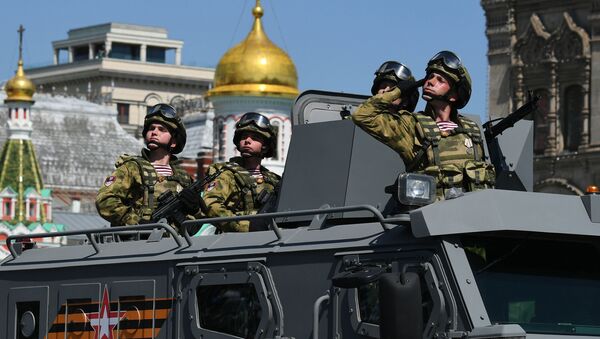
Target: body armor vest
{"x": 249, "y": 187}
{"x": 453, "y": 158}
{"x": 154, "y": 185}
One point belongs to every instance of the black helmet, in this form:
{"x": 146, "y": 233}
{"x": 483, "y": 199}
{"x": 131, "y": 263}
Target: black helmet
{"x": 395, "y": 72}
{"x": 449, "y": 65}
{"x": 166, "y": 115}
{"x": 259, "y": 124}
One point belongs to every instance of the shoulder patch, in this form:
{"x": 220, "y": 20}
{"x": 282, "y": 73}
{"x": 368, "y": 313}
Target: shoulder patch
{"x": 211, "y": 186}
{"x": 109, "y": 180}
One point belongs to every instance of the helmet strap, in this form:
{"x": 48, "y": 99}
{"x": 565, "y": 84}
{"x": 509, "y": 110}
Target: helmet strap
{"x": 445, "y": 97}
{"x": 165, "y": 146}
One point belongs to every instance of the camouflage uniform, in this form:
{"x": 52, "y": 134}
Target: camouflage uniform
{"x": 235, "y": 192}
{"x": 454, "y": 159}
{"x": 129, "y": 195}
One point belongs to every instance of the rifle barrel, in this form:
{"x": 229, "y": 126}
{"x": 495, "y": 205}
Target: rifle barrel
{"x": 512, "y": 118}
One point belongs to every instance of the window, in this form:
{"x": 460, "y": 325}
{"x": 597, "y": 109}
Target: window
{"x": 276, "y": 127}
{"x": 75, "y": 319}
{"x": 28, "y": 316}
{"x": 123, "y": 113}
{"x": 365, "y": 298}
{"x": 7, "y": 209}
{"x": 99, "y": 51}
{"x": 32, "y": 210}
{"x": 241, "y": 302}
{"x": 220, "y": 137}
{"x": 81, "y": 53}
{"x": 125, "y": 51}
{"x": 233, "y": 309}
{"x": 540, "y": 122}
{"x": 546, "y": 286}
{"x": 155, "y": 54}
{"x": 571, "y": 117}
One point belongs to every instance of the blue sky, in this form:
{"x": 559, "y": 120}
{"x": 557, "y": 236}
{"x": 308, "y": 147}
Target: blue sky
{"x": 335, "y": 44}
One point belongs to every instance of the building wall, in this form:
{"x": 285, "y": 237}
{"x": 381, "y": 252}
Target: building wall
{"x": 551, "y": 48}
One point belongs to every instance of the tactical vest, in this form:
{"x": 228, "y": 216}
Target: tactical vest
{"x": 152, "y": 183}
{"x": 248, "y": 185}
{"x": 453, "y": 159}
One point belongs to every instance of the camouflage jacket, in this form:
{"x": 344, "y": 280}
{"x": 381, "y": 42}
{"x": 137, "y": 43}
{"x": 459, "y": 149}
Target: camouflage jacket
{"x": 129, "y": 195}
{"x": 235, "y": 192}
{"x": 455, "y": 159}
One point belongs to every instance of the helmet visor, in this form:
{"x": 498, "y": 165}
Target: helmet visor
{"x": 449, "y": 59}
{"x": 167, "y": 111}
{"x": 399, "y": 70}
{"x": 257, "y": 119}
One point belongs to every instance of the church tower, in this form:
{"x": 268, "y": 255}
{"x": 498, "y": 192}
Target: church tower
{"x": 255, "y": 75}
{"x": 25, "y": 206}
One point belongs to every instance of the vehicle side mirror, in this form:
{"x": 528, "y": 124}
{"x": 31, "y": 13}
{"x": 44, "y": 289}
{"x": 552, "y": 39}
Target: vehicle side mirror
{"x": 400, "y": 306}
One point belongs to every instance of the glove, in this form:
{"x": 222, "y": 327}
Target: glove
{"x": 190, "y": 200}
{"x": 409, "y": 85}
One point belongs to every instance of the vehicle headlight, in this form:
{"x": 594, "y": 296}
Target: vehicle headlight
{"x": 416, "y": 189}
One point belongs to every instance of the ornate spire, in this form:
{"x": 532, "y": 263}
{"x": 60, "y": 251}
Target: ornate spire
{"x": 19, "y": 88}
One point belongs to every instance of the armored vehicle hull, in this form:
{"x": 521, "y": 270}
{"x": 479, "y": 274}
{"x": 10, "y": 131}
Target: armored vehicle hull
{"x": 340, "y": 260}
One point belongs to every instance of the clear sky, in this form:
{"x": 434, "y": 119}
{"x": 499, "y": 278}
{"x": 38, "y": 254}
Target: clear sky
{"x": 335, "y": 44}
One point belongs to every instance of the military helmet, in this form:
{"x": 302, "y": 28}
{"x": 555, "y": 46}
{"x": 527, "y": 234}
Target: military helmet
{"x": 259, "y": 124}
{"x": 395, "y": 72}
{"x": 166, "y": 115}
{"x": 450, "y": 66}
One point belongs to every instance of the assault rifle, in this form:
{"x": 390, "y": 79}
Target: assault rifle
{"x": 268, "y": 202}
{"x": 170, "y": 206}
{"x": 506, "y": 178}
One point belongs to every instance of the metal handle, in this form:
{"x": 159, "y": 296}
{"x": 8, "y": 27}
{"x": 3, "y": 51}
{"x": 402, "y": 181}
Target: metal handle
{"x": 316, "y": 309}
{"x": 89, "y": 234}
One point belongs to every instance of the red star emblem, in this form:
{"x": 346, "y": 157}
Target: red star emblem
{"x": 106, "y": 320}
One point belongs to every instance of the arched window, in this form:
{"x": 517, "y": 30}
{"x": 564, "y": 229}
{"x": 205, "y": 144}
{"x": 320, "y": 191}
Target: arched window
{"x": 571, "y": 117}
{"x": 540, "y": 121}
{"x": 277, "y": 127}
{"x": 151, "y": 100}
{"x": 219, "y": 142}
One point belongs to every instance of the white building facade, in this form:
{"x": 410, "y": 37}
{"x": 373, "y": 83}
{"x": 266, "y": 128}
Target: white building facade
{"x": 128, "y": 67}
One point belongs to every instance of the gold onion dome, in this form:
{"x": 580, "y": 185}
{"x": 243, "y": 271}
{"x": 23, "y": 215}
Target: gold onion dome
{"x": 256, "y": 66}
{"x": 19, "y": 88}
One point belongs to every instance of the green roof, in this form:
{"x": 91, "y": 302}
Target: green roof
{"x": 20, "y": 170}
{"x": 46, "y": 193}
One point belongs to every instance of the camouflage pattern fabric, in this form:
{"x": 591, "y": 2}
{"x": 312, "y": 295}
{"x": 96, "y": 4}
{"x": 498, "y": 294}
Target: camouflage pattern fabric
{"x": 454, "y": 159}
{"x": 129, "y": 195}
{"x": 235, "y": 192}
{"x": 395, "y": 129}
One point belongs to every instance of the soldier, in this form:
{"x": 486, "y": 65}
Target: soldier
{"x": 243, "y": 184}
{"x": 439, "y": 141}
{"x": 129, "y": 195}
{"x": 388, "y": 76}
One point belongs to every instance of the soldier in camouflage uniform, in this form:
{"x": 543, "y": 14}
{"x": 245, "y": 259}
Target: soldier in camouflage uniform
{"x": 391, "y": 74}
{"x": 243, "y": 180}
{"x": 439, "y": 141}
{"x": 129, "y": 195}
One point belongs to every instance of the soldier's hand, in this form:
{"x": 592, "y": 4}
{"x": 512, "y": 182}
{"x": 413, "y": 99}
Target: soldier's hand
{"x": 190, "y": 200}
{"x": 383, "y": 90}
{"x": 410, "y": 85}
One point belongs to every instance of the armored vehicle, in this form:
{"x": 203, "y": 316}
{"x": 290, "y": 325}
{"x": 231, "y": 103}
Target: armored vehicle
{"x": 341, "y": 258}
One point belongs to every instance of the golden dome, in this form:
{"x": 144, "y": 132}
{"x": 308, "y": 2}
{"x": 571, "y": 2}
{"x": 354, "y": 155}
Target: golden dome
{"x": 19, "y": 88}
{"x": 256, "y": 66}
